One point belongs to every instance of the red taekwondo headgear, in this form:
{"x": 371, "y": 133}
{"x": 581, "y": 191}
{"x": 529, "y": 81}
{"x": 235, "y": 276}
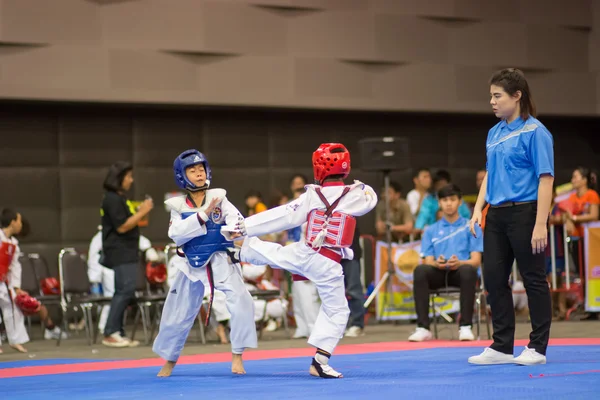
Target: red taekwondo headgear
{"x": 330, "y": 159}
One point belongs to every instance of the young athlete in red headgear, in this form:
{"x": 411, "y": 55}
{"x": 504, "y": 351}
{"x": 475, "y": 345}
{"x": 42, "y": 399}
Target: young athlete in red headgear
{"x": 329, "y": 208}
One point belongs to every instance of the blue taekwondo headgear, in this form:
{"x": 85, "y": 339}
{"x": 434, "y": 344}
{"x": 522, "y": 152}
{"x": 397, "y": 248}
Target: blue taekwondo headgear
{"x": 187, "y": 159}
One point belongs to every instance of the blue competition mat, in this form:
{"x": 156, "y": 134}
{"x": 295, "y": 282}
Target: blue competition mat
{"x": 573, "y": 372}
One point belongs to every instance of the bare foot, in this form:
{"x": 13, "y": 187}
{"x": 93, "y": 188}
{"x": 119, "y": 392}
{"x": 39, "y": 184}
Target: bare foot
{"x": 166, "y": 369}
{"x": 19, "y": 348}
{"x": 222, "y": 334}
{"x": 0, "y": 351}
{"x": 237, "y": 365}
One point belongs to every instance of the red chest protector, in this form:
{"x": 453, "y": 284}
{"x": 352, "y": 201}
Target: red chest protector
{"x": 7, "y": 252}
{"x": 330, "y": 228}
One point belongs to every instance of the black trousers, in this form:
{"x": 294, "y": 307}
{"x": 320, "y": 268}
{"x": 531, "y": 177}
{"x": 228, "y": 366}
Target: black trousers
{"x": 427, "y": 277}
{"x": 125, "y": 283}
{"x": 354, "y": 293}
{"x": 507, "y": 236}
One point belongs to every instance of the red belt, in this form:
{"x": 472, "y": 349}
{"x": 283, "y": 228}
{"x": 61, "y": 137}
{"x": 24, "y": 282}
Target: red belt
{"x": 332, "y": 255}
{"x": 325, "y": 252}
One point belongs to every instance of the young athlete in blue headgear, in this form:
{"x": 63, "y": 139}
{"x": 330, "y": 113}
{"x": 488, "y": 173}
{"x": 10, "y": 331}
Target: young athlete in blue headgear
{"x": 195, "y": 227}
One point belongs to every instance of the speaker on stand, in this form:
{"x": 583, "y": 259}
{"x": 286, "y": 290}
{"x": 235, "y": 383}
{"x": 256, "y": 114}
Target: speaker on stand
{"x": 384, "y": 155}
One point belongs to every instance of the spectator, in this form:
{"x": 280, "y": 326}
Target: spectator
{"x": 254, "y": 203}
{"x": 452, "y": 257}
{"x": 422, "y": 182}
{"x": 120, "y": 241}
{"x": 401, "y": 220}
{"x": 297, "y": 184}
{"x": 430, "y": 205}
{"x": 10, "y": 285}
{"x": 106, "y": 276}
{"x": 582, "y": 207}
{"x": 354, "y": 289}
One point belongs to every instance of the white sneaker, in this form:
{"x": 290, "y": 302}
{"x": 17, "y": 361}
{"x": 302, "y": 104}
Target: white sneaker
{"x": 465, "y": 333}
{"x": 492, "y": 357}
{"x": 271, "y": 326}
{"x": 115, "y": 340}
{"x": 530, "y": 357}
{"x": 420, "y": 335}
{"x": 354, "y": 331}
{"x": 52, "y": 334}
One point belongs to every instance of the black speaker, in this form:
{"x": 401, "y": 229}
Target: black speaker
{"x": 384, "y": 154}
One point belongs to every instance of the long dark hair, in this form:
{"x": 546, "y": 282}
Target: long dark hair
{"x": 589, "y": 175}
{"x": 114, "y": 178}
{"x": 512, "y": 80}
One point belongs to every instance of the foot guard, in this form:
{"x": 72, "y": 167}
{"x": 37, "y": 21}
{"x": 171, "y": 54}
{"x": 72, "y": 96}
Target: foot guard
{"x": 324, "y": 370}
{"x": 234, "y": 254}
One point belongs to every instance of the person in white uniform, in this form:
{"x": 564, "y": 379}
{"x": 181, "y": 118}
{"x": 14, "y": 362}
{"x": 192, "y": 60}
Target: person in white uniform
{"x": 10, "y": 287}
{"x": 98, "y": 273}
{"x": 329, "y": 207}
{"x": 268, "y": 311}
{"x": 10, "y": 280}
{"x": 219, "y": 306}
{"x": 195, "y": 226}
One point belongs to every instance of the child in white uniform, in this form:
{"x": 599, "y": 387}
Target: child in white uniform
{"x": 195, "y": 225}
{"x": 329, "y": 210}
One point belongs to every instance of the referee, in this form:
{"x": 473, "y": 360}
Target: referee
{"x": 518, "y": 187}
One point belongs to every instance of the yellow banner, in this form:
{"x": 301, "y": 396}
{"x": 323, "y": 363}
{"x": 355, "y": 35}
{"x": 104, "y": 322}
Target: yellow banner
{"x": 592, "y": 267}
{"x": 401, "y": 305}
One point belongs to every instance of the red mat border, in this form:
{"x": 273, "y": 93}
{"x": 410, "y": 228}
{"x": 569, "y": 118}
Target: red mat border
{"x": 264, "y": 355}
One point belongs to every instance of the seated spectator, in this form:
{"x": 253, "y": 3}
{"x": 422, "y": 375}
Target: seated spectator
{"x": 10, "y": 286}
{"x": 401, "y": 220}
{"x": 422, "y": 182}
{"x": 297, "y": 184}
{"x": 452, "y": 257}
{"x": 254, "y": 203}
{"x": 430, "y": 205}
{"x": 270, "y": 312}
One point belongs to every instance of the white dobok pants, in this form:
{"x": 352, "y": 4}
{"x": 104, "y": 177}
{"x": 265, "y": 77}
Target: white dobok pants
{"x": 14, "y": 321}
{"x": 326, "y": 274}
{"x": 183, "y": 305}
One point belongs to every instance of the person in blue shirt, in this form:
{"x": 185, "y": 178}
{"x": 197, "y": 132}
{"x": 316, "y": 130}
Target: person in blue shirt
{"x": 452, "y": 256}
{"x": 430, "y": 205}
{"x": 518, "y": 187}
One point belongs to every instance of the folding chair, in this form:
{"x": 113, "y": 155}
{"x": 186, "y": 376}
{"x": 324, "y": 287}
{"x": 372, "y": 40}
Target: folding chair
{"x": 451, "y": 291}
{"x": 145, "y": 299}
{"x": 75, "y": 290}
{"x": 40, "y": 266}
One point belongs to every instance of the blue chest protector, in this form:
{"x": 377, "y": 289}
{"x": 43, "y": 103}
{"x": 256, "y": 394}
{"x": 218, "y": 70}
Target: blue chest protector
{"x": 199, "y": 250}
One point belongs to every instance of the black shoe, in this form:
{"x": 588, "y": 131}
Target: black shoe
{"x": 590, "y": 317}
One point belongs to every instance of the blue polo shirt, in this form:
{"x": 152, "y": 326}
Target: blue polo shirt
{"x": 448, "y": 239}
{"x": 429, "y": 209}
{"x": 517, "y": 155}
